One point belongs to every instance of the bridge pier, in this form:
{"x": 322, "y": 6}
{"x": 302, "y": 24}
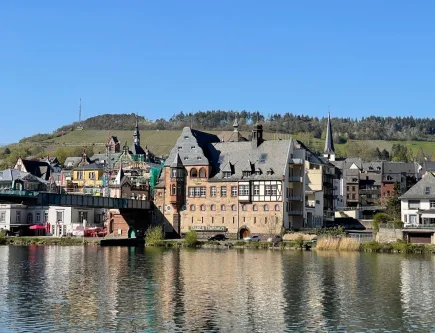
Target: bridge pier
{"x": 128, "y": 223}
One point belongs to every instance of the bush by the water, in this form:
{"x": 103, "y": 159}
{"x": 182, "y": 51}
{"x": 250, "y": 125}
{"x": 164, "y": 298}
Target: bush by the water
{"x": 338, "y": 243}
{"x": 154, "y": 236}
{"x": 191, "y": 239}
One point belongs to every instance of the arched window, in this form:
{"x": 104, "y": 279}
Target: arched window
{"x": 192, "y": 208}
{"x": 276, "y": 207}
{"x": 202, "y": 173}
{"x": 173, "y": 189}
{"x": 233, "y": 207}
{"x": 193, "y": 173}
{"x": 213, "y": 207}
{"x": 266, "y": 208}
{"x": 223, "y": 208}
{"x": 244, "y": 208}
{"x": 203, "y": 207}
{"x": 255, "y": 207}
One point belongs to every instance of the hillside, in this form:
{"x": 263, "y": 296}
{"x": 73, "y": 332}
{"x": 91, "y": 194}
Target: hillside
{"x": 160, "y": 135}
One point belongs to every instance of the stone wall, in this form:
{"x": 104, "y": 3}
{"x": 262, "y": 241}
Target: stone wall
{"x": 387, "y": 235}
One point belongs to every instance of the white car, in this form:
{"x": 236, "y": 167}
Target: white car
{"x": 252, "y": 238}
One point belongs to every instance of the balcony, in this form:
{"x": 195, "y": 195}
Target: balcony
{"x": 297, "y": 161}
{"x": 295, "y": 198}
{"x": 295, "y": 179}
{"x": 295, "y": 212}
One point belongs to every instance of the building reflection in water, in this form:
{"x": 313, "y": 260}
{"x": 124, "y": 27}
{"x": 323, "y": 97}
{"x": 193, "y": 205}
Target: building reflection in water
{"x": 73, "y": 289}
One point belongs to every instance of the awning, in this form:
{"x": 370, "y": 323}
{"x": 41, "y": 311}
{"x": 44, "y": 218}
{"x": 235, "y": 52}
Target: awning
{"x": 37, "y": 227}
{"x": 428, "y": 215}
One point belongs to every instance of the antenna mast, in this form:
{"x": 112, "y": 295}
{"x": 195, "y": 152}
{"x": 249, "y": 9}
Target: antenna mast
{"x": 79, "y": 126}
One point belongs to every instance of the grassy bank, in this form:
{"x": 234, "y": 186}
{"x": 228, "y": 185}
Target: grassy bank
{"x": 349, "y": 244}
{"x": 47, "y": 241}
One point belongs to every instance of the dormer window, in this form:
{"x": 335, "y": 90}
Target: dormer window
{"x": 258, "y": 172}
{"x": 179, "y": 147}
{"x": 227, "y": 174}
{"x": 269, "y": 172}
{"x": 186, "y": 137}
{"x": 199, "y": 158}
{"x": 192, "y": 147}
{"x": 378, "y": 168}
{"x": 246, "y": 173}
{"x": 186, "y": 158}
{"x": 427, "y": 190}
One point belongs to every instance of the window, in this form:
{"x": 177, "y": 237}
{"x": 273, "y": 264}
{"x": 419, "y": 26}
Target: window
{"x": 197, "y": 192}
{"x": 29, "y": 218}
{"x": 254, "y": 207}
{"x": 223, "y": 191}
{"x": 427, "y": 190}
{"x": 173, "y": 189}
{"x": 213, "y": 207}
{"x": 174, "y": 173}
{"x": 191, "y": 192}
{"x": 406, "y": 218}
{"x": 227, "y": 174}
{"x": 414, "y": 204}
{"x": 18, "y": 217}
{"x": 266, "y": 208}
{"x": 2, "y": 216}
{"x": 432, "y": 203}
{"x": 213, "y": 191}
{"x": 274, "y": 189}
{"x": 202, "y": 207}
{"x": 180, "y": 148}
{"x": 277, "y": 207}
{"x": 267, "y": 190}
{"x": 92, "y": 175}
{"x": 412, "y": 218}
{"x": 244, "y": 208}
{"x": 192, "y": 208}
{"x": 59, "y": 216}
{"x": 203, "y": 191}
{"x": 256, "y": 189}
{"x": 246, "y": 173}
{"x": 45, "y": 216}
{"x": 193, "y": 173}
{"x": 223, "y": 208}
{"x": 79, "y": 174}
{"x": 244, "y": 190}
{"x": 202, "y": 173}
{"x": 347, "y": 188}
{"x": 83, "y": 216}
{"x": 233, "y": 191}
{"x": 38, "y": 217}
{"x": 353, "y": 188}
{"x": 233, "y": 207}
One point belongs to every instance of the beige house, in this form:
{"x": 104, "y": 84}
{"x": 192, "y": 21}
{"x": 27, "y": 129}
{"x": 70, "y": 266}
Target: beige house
{"x": 237, "y": 188}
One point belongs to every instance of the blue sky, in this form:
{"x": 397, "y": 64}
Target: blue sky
{"x": 157, "y": 58}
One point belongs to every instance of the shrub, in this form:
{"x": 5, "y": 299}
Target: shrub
{"x": 154, "y": 236}
{"x": 378, "y": 219}
{"x": 299, "y": 242}
{"x": 191, "y": 238}
{"x": 372, "y": 246}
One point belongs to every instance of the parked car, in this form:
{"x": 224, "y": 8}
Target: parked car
{"x": 275, "y": 239}
{"x": 254, "y": 238}
{"x": 218, "y": 237}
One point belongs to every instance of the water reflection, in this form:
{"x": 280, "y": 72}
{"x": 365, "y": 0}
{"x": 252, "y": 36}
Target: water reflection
{"x": 76, "y": 289}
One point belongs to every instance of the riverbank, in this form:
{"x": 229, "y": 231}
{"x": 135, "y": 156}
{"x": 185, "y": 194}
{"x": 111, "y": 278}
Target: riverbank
{"x": 65, "y": 241}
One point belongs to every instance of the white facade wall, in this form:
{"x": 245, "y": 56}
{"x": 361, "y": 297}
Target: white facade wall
{"x": 409, "y": 214}
{"x": 66, "y": 220}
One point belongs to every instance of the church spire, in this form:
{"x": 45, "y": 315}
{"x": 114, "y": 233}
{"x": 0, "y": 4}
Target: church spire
{"x": 136, "y": 134}
{"x": 329, "y": 143}
{"x": 236, "y": 124}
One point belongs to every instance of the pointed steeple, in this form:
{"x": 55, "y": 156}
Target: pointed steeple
{"x": 329, "y": 143}
{"x": 119, "y": 176}
{"x": 236, "y": 124}
{"x": 177, "y": 162}
{"x": 136, "y": 134}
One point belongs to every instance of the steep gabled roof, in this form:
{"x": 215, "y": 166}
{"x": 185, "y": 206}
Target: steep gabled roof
{"x": 38, "y": 168}
{"x": 177, "y": 163}
{"x": 418, "y": 191}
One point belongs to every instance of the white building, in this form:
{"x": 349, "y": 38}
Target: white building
{"x": 62, "y": 221}
{"x": 418, "y": 203}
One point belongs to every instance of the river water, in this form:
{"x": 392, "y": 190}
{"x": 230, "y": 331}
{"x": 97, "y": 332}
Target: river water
{"x": 97, "y": 289}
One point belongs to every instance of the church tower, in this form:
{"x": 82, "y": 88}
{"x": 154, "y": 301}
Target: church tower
{"x": 329, "y": 152}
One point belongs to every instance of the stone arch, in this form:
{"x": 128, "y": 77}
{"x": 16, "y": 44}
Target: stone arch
{"x": 202, "y": 173}
{"x": 244, "y": 232}
{"x": 193, "y": 173}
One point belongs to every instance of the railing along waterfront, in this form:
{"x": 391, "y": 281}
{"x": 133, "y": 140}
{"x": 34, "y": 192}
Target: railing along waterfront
{"x": 30, "y": 194}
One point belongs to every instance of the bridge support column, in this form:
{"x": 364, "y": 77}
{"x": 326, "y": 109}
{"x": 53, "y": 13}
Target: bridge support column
{"x": 121, "y": 221}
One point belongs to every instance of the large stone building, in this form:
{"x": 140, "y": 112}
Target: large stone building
{"x": 237, "y": 187}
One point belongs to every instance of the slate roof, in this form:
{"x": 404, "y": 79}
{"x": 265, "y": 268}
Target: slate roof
{"x": 393, "y": 171}
{"x": 10, "y": 175}
{"x": 91, "y": 166}
{"x": 231, "y": 136}
{"x": 38, "y": 168}
{"x": 72, "y": 162}
{"x": 190, "y": 146}
{"x": 136, "y": 149}
{"x": 234, "y": 156}
{"x": 99, "y": 158}
{"x": 372, "y": 166}
{"x": 419, "y": 189}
